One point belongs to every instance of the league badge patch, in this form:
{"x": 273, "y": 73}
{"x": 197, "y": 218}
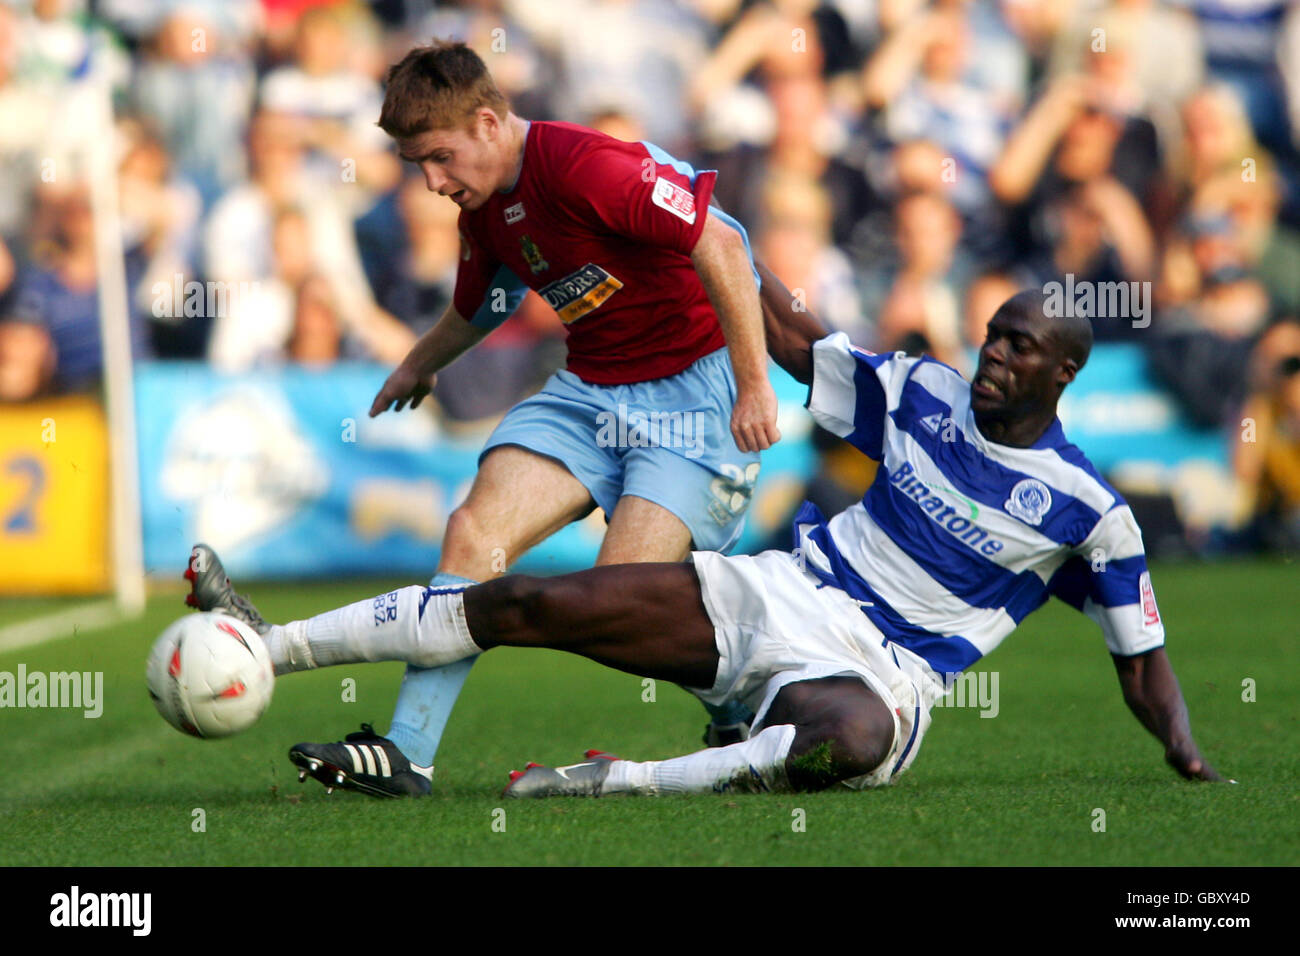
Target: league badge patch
{"x": 678, "y": 201}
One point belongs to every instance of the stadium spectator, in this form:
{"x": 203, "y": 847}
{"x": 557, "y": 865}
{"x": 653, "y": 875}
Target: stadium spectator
{"x": 1266, "y": 449}
{"x": 806, "y": 139}
{"x": 160, "y": 221}
{"x": 62, "y": 45}
{"x": 333, "y": 107}
{"x": 783, "y": 38}
{"x": 1155, "y": 50}
{"x": 196, "y": 83}
{"x": 1241, "y": 49}
{"x": 316, "y": 338}
{"x": 919, "y": 78}
{"x": 1201, "y": 350}
{"x": 280, "y": 25}
{"x": 259, "y": 320}
{"x": 1218, "y": 150}
{"x": 415, "y": 278}
{"x": 59, "y": 289}
{"x": 618, "y": 124}
{"x": 910, "y": 167}
{"x": 917, "y": 293}
{"x": 794, "y": 238}
{"x": 1289, "y": 61}
{"x": 1069, "y": 137}
{"x": 241, "y": 247}
{"x": 8, "y": 271}
{"x": 1269, "y": 247}
{"x": 1036, "y": 24}
{"x": 34, "y": 132}
{"x": 1098, "y": 235}
{"x": 26, "y": 360}
{"x": 637, "y": 55}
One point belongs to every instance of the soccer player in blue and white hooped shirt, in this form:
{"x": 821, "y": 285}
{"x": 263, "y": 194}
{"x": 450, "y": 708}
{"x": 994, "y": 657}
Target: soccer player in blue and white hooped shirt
{"x": 979, "y": 512}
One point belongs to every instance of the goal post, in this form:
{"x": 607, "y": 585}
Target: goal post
{"x": 126, "y": 546}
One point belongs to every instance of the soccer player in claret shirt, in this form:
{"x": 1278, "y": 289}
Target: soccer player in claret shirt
{"x": 664, "y": 405}
{"x": 980, "y": 510}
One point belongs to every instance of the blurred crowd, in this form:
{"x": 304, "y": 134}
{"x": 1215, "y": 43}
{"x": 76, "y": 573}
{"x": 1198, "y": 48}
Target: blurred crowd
{"x": 905, "y": 164}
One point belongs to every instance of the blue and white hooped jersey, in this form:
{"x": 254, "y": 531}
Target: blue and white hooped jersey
{"x": 958, "y": 538}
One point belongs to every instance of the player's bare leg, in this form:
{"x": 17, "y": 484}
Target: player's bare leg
{"x": 650, "y": 620}
{"x": 640, "y": 530}
{"x": 646, "y": 619}
{"x": 518, "y": 499}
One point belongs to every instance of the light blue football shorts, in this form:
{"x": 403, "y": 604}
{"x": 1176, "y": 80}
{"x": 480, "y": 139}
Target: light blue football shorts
{"x": 667, "y": 440}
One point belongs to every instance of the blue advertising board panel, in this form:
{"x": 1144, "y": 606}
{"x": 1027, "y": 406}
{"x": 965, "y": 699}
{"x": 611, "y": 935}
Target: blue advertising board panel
{"x": 282, "y": 471}
{"x": 1117, "y": 415}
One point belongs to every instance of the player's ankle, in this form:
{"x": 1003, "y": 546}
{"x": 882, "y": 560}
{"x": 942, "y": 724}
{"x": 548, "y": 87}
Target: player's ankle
{"x": 414, "y": 746}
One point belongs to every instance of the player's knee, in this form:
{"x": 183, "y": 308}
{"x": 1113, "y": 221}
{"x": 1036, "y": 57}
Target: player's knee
{"x": 859, "y": 738}
{"x": 839, "y": 743}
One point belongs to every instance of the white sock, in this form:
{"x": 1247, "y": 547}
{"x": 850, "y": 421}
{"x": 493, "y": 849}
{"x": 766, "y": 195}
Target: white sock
{"x": 754, "y": 764}
{"x": 419, "y": 625}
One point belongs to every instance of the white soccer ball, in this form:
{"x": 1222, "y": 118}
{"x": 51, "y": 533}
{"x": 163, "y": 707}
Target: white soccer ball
{"x": 210, "y": 675}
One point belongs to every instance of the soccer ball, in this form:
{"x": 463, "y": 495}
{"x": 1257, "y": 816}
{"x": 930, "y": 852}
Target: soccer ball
{"x": 210, "y": 675}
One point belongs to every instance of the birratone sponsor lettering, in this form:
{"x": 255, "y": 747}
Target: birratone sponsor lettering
{"x": 945, "y": 516}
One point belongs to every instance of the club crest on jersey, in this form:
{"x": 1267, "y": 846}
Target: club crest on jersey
{"x": 1030, "y": 500}
{"x": 533, "y": 255}
{"x": 1150, "y": 613}
{"x": 678, "y": 201}
{"x": 580, "y": 292}
{"x": 514, "y": 213}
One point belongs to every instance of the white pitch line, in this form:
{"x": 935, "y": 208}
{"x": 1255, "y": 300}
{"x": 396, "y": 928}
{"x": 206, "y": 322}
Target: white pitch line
{"x": 60, "y": 624}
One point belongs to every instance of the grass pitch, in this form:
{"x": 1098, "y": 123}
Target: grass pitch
{"x": 1022, "y": 788}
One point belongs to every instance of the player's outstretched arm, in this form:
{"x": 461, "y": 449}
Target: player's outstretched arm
{"x": 1151, "y": 691}
{"x": 413, "y": 379}
{"x": 722, "y": 263}
{"x": 791, "y": 328}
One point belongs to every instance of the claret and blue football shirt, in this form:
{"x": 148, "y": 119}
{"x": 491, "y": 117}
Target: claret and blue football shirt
{"x": 603, "y": 230}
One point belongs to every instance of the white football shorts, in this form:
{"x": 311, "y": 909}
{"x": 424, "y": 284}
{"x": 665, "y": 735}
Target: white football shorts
{"x": 777, "y": 624}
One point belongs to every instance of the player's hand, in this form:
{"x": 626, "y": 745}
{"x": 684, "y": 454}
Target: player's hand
{"x": 753, "y": 418}
{"x": 1191, "y": 765}
{"x": 404, "y": 385}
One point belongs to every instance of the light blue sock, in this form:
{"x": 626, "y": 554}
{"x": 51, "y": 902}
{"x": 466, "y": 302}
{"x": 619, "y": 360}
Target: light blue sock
{"x": 729, "y": 712}
{"x": 427, "y": 696}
